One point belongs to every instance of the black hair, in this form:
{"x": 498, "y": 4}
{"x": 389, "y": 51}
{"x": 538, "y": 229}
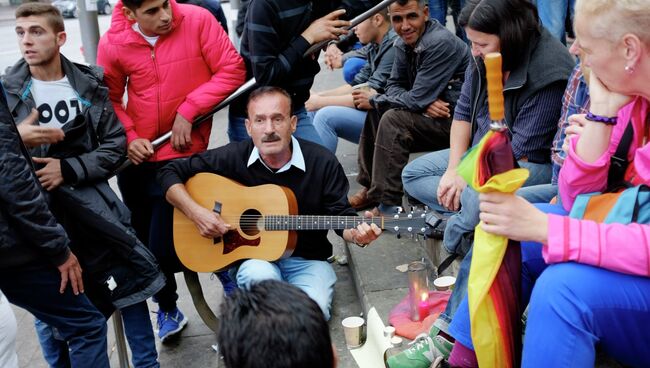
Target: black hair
{"x": 274, "y": 325}
{"x": 515, "y": 22}
{"x": 421, "y": 3}
{"x": 133, "y": 4}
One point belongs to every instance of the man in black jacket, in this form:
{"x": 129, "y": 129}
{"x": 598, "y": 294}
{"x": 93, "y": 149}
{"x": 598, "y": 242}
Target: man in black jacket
{"x": 32, "y": 246}
{"x": 274, "y": 156}
{"x": 56, "y": 96}
{"x": 415, "y": 112}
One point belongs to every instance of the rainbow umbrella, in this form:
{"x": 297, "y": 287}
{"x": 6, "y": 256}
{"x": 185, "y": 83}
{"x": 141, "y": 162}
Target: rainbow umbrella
{"x": 494, "y": 281}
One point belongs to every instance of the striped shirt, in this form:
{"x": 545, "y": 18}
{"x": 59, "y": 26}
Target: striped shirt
{"x": 533, "y": 129}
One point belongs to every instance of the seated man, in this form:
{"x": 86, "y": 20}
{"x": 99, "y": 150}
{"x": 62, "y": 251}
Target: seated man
{"x": 414, "y": 113}
{"x": 289, "y": 328}
{"x": 273, "y": 156}
{"x": 335, "y": 113}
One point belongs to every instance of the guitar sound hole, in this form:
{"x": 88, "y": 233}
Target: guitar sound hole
{"x": 248, "y": 222}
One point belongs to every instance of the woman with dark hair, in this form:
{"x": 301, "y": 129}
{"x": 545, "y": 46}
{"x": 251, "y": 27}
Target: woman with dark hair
{"x": 536, "y": 67}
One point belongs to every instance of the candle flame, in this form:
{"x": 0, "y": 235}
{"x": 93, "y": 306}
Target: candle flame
{"x": 424, "y": 296}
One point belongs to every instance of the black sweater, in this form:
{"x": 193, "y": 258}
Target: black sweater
{"x": 320, "y": 190}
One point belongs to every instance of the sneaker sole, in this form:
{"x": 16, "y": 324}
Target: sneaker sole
{"x": 170, "y": 334}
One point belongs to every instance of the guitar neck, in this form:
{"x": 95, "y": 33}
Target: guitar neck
{"x": 314, "y": 222}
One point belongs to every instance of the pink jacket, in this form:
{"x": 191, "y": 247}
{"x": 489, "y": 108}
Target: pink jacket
{"x": 622, "y": 248}
{"x": 188, "y": 71}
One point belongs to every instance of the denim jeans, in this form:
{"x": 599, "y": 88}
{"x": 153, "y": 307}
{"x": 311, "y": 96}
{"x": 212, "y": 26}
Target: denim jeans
{"x": 351, "y": 67}
{"x": 35, "y": 287}
{"x": 467, "y": 218}
{"x": 315, "y": 278}
{"x": 137, "y": 328}
{"x": 553, "y": 13}
{"x": 305, "y": 129}
{"x": 332, "y": 122}
{"x": 580, "y": 306}
{"x": 438, "y": 11}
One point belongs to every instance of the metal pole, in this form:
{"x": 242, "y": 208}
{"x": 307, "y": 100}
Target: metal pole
{"x": 235, "y": 5}
{"x": 87, "y": 12}
{"x": 120, "y": 340}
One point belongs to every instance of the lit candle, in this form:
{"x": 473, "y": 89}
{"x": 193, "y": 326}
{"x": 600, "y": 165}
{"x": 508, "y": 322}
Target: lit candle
{"x": 423, "y": 309}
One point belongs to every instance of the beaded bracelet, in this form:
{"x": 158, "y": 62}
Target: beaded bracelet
{"x": 601, "y": 119}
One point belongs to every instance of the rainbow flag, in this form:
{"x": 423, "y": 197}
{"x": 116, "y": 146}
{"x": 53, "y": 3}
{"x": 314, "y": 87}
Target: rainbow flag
{"x": 494, "y": 281}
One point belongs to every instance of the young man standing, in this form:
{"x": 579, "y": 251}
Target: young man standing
{"x": 36, "y": 264}
{"x": 274, "y": 156}
{"x": 53, "y": 97}
{"x": 176, "y": 63}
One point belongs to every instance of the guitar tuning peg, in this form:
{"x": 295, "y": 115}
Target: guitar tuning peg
{"x": 399, "y": 209}
{"x": 426, "y": 209}
{"x": 412, "y": 209}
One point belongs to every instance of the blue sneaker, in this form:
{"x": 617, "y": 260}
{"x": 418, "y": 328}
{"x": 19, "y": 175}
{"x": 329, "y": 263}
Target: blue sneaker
{"x": 229, "y": 285}
{"x": 170, "y": 323}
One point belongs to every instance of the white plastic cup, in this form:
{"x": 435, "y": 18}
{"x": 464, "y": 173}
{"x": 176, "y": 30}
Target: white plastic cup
{"x": 444, "y": 283}
{"x": 354, "y": 329}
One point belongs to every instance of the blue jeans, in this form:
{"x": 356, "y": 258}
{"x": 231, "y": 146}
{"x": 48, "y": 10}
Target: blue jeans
{"x": 332, "y": 122}
{"x": 351, "y": 67}
{"x": 137, "y": 328}
{"x": 553, "y": 13}
{"x": 315, "y": 278}
{"x": 579, "y": 306}
{"x": 36, "y": 288}
{"x": 438, "y": 11}
{"x": 305, "y": 129}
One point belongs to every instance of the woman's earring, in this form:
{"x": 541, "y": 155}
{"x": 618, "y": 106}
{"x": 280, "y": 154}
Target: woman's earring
{"x": 629, "y": 69}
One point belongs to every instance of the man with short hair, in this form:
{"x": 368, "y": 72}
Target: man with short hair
{"x": 335, "y": 114}
{"x": 274, "y": 156}
{"x": 54, "y": 96}
{"x": 175, "y": 63}
{"x": 288, "y": 328}
{"x": 36, "y": 264}
{"x": 415, "y": 112}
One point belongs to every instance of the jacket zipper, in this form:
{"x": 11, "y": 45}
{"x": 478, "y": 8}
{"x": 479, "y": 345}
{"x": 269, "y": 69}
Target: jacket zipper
{"x": 155, "y": 67}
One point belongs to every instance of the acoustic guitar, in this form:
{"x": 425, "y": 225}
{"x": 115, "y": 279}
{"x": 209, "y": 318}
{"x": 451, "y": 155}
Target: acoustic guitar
{"x": 264, "y": 219}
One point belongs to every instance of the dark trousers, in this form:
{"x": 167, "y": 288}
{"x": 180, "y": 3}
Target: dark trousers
{"x": 36, "y": 289}
{"x": 152, "y": 217}
{"x": 384, "y": 148}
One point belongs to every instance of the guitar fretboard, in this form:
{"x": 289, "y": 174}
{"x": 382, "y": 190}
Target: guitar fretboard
{"x": 313, "y": 222}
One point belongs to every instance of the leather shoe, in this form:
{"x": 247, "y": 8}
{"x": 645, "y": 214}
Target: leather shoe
{"x": 360, "y": 201}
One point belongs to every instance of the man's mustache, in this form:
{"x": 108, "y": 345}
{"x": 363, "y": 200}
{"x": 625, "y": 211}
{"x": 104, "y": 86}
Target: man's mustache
{"x": 271, "y": 138}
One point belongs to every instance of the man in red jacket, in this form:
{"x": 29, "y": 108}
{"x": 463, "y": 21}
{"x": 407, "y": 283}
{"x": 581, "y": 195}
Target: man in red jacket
{"x": 176, "y": 63}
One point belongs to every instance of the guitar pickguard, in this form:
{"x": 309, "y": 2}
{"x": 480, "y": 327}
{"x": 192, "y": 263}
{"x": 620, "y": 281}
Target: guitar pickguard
{"x": 232, "y": 240}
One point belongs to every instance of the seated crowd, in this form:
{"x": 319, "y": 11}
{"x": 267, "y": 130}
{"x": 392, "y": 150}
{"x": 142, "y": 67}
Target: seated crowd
{"x": 578, "y": 119}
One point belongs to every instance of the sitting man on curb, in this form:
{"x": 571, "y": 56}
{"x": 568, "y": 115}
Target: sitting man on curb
{"x": 289, "y": 329}
{"x": 335, "y": 114}
{"x": 274, "y": 156}
{"x": 415, "y": 112}
{"x": 54, "y": 96}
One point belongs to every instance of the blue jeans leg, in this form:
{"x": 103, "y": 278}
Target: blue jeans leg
{"x": 315, "y": 278}
{"x": 54, "y": 348}
{"x": 139, "y": 334}
{"x": 351, "y": 67}
{"x": 438, "y": 10}
{"x": 583, "y": 306}
{"x": 553, "y": 13}
{"x": 467, "y": 218}
{"x": 36, "y": 289}
{"x": 422, "y": 176}
{"x": 305, "y": 129}
{"x": 332, "y": 122}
